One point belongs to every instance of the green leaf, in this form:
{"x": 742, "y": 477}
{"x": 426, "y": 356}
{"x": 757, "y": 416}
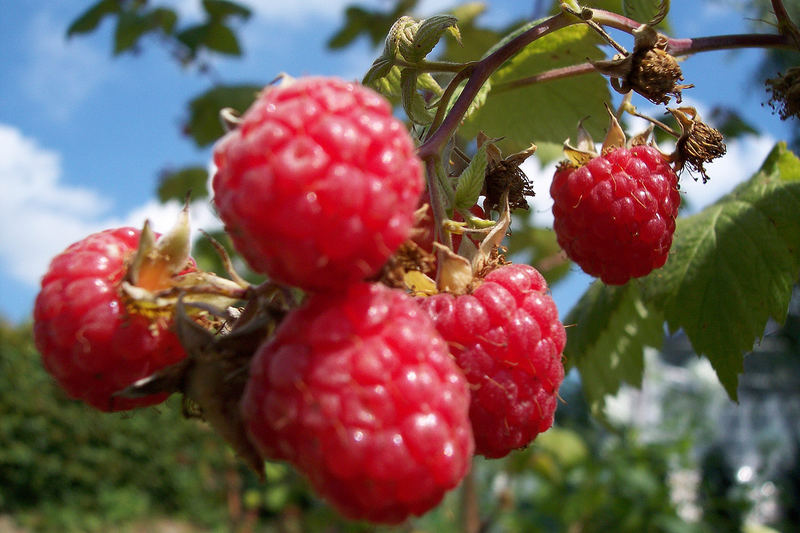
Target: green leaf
{"x": 733, "y": 265}
{"x": 413, "y": 102}
{"x": 607, "y": 332}
{"x": 222, "y": 39}
{"x": 204, "y": 126}
{"x": 380, "y": 68}
{"x": 175, "y": 185}
{"x": 212, "y": 35}
{"x": 220, "y": 9}
{"x": 426, "y": 36}
{"x": 641, "y": 10}
{"x": 477, "y": 102}
{"x": 131, "y": 26}
{"x": 357, "y": 21}
{"x": 470, "y": 182}
{"x": 545, "y": 111}
{"x": 91, "y": 18}
{"x": 389, "y": 85}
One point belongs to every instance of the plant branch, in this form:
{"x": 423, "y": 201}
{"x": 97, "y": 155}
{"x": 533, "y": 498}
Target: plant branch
{"x": 785, "y": 24}
{"x": 725, "y": 42}
{"x": 433, "y": 66}
{"x": 480, "y": 73}
{"x": 676, "y": 47}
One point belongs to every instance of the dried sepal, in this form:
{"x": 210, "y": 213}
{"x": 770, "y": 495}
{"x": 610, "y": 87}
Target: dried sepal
{"x": 615, "y": 137}
{"x": 785, "y": 89}
{"x": 649, "y": 70}
{"x": 698, "y": 144}
{"x": 503, "y": 176}
{"x": 213, "y": 375}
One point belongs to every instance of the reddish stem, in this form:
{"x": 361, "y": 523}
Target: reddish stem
{"x": 480, "y": 73}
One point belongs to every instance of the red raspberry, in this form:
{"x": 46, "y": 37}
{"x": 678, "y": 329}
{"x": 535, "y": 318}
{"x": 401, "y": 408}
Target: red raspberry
{"x": 358, "y": 391}
{"x": 615, "y": 215}
{"x": 318, "y": 185}
{"x": 507, "y": 339}
{"x": 89, "y": 342}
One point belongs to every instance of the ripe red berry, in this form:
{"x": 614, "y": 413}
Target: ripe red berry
{"x": 89, "y": 341}
{"x": 358, "y": 391}
{"x": 615, "y": 215}
{"x": 508, "y": 340}
{"x": 318, "y": 185}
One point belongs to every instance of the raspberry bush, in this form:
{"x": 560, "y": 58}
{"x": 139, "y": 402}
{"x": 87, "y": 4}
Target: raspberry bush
{"x": 394, "y": 336}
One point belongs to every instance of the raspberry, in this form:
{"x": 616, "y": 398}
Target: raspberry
{"x": 615, "y": 215}
{"x": 318, "y": 185}
{"x": 507, "y": 339}
{"x": 89, "y": 342}
{"x": 358, "y": 391}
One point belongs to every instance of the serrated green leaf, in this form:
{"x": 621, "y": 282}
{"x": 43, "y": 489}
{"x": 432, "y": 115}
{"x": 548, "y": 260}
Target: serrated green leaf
{"x": 203, "y": 125}
{"x": 413, "y": 103}
{"x": 176, "y": 184}
{"x": 91, "y": 18}
{"x": 547, "y": 111}
{"x": 732, "y": 266}
{"x": 220, "y": 9}
{"x": 607, "y": 332}
{"x": 470, "y": 182}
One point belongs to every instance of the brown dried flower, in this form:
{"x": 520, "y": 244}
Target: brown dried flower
{"x": 785, "y": 91}
{"x": 698, "y": 144}
{"x": 504, "y": 175}
{"x": 649, "y": 70}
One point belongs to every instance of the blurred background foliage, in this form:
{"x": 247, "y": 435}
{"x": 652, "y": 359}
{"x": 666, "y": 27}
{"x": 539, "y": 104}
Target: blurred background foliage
{"x": 704, "y": 466}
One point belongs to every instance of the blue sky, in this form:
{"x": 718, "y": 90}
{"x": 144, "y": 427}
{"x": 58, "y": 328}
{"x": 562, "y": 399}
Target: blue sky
{"x": 83, "y": 135}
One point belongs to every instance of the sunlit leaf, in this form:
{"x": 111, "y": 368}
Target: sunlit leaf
{"x": 641, "y": 10}
{"x": 544, "y": 111}
{"x": 470, "y": 182}
{"x": 733, "y": 265}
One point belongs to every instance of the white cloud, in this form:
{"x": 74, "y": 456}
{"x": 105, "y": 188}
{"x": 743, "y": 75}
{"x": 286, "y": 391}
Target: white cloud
{"x": 59, "y": 74}
{"x": 40, "y": 215}
{"x": 310, "y": 10}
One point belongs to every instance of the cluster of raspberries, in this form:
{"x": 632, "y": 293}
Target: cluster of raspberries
{"x": 378, "y": 397}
